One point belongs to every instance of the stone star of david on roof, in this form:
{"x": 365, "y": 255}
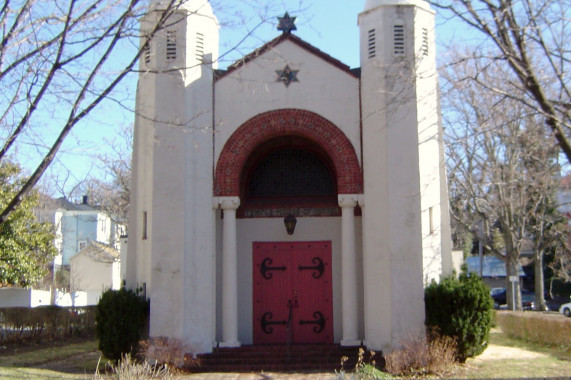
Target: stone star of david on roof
{"x": 287, "y": 75}
{"x": 287, "y": 23}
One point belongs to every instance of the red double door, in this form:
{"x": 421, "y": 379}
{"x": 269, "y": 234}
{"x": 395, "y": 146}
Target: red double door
{"x": 292, "y": 293}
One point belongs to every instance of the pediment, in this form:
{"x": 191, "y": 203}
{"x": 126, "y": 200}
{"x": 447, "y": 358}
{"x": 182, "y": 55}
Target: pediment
{"x": 304, "y": 47}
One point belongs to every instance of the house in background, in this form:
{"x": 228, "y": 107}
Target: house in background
{"x": 493, "y": 270}
{"x": 77, "y": 225}
{"x": 96, "y": 267}
{"x": 564, "y": 199}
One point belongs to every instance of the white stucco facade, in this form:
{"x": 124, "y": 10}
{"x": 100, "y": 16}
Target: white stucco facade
{"x": 203, "y": 196}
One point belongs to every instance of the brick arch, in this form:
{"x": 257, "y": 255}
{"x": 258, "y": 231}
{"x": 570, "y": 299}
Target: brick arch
{"x": 287, "y": 122}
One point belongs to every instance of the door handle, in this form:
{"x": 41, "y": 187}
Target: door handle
{"x": 292, "y": 304}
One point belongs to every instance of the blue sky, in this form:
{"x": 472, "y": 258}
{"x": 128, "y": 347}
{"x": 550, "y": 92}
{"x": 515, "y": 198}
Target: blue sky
{"x": 330, "y": 25}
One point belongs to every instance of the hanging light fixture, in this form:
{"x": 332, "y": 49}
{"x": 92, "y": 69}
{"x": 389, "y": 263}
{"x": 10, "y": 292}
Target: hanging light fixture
{"x": 290, "y": 222}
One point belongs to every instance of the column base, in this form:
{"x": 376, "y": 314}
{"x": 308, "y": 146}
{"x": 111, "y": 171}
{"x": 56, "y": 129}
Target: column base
{"x": 229, "y": 344}
{"x": 385, "y": 349}
{"x": 351, "y": 342}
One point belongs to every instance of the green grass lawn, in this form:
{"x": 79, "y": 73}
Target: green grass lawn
{"x": 552, "y": 361}
{"x": 70, "y": 361}
{"x": 79, "y": 360}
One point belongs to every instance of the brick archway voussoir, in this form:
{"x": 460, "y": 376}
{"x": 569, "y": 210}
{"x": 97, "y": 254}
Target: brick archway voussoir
{"x": 287, "y": 122}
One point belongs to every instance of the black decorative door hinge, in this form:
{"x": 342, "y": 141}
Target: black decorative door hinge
{"x": 318, "y": 268}
{"x": 267, "y": 323}
{"x": 319, "y": 322}
{"x": 265, "y": 268}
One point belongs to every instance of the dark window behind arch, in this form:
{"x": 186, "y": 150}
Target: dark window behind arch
{"x": 290, "y": 173}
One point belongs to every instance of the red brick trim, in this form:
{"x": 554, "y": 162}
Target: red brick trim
{"x": 287, "y": 122}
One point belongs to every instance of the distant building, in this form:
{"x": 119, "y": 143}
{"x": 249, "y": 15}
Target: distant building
{"x": 493, "y": 270}
{"x": 77, "y": 226}
{"x": 564, "y": 198}
{"x": 95, "y": 267}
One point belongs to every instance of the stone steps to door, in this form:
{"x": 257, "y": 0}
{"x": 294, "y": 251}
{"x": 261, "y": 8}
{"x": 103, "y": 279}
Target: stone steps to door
{"x": 278, "y": 358}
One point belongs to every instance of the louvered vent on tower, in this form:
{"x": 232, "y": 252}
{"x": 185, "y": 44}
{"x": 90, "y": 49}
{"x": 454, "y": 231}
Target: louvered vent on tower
{"x": 171, "y": 45}
{"x": 372, "y": 45}
{"x": 199, "y": 46}
{"x": 147, "y": 53}
{"x": 424, "y": 41}
{"x": 398, "y": 39}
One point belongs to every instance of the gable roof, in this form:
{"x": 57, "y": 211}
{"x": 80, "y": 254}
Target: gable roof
{"x": 296, "y": 40}
{"x": 63, "y": 203}
{"x": 99, "y": 252}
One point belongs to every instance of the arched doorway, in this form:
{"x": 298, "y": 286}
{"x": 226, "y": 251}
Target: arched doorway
{"x": 292, "y": 281}
{"x": 280, "y": 163}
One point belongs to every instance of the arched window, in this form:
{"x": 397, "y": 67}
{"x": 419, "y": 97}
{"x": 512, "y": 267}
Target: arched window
{"x": 288, "y": 175}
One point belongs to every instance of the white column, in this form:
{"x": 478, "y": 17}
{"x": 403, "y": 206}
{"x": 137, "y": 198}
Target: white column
{"x": 349, "y": 295}
{"x": 229, "y": 273}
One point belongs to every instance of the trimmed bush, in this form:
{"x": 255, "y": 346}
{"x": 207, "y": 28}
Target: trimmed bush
{"x": 461, "y": 309}
{"x": 19, "y": 324}
{"x": 120, "y": 318}
{"x": 542, "y": 328}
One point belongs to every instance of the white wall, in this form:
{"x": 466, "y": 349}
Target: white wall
{"x": 19, "y": 297}
{"x": 87, "y": 274}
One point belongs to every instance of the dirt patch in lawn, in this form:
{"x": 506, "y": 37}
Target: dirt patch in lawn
{"x": 79, "y": 363}
{"x": 494, "y": 352}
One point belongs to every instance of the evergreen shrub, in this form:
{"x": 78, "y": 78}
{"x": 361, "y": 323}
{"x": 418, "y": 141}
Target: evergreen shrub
{"x": 461, "y": 308}
{"x": 120, "y": 319}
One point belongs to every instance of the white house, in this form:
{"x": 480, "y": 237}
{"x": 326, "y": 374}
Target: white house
{"x": 96, "y": 267}
{"x": 222, "y": 159}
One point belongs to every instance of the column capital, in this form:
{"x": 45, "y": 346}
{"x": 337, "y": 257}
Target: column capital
{"x": 226, "y": 203}
{"x": 348, "y": 200}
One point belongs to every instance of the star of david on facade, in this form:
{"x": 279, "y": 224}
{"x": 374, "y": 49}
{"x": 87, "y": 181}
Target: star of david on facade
{"x": 287, "y": 75}
{"x": 286, "y": 23}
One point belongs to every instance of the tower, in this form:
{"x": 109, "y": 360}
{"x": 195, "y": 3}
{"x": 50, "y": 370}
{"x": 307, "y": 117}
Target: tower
{"x": 405, "y": 204}
{"x": 171, "y": 218}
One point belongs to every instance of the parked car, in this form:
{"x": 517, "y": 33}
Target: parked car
{"x": 499, "y": 297}
{"x": 527, "y": 300}
{"x": 565, "y": 309}
{"x": 555, "y": 302}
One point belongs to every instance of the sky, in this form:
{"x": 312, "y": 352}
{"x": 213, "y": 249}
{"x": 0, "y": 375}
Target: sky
{"x": 329, "y": 25}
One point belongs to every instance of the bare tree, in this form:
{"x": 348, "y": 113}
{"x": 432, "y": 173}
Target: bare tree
{"x": 502, "y": 166}
{"x": 532, "y": 39}
{"x": 59, "y": 60}
{"x": 110, "y": 192}
{"x": 62, "y": 54}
